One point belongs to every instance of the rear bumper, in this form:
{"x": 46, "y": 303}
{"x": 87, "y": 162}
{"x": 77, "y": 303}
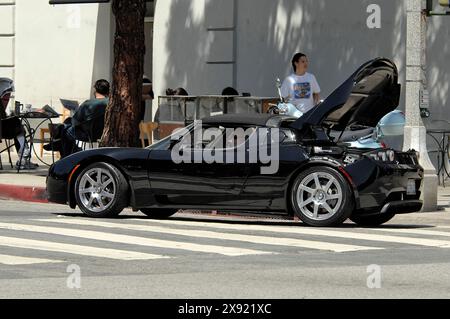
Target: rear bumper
{"x": 394, "y": 207}
{"x": 384, "y": 186}
{"x": 402, "y": 207}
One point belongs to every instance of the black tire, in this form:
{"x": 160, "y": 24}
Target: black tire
{"x": 371, "y": 220}
{"x": 159, "y": 213}
{"x": 333, "y": 205}
{"x": 117, "y": 191}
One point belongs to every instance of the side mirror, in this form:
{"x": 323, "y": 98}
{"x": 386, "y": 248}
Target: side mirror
{"x": 278, "y": 83}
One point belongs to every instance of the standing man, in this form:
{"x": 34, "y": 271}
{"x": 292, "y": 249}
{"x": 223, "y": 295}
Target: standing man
{"x": 301, "y": 88}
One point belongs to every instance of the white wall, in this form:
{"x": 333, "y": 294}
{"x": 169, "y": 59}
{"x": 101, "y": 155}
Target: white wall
{"x": 333, "y": 33}
{"x": 60, "y": 51}
{"x": 182, "y": 47}
{"x": 7, "y": 38}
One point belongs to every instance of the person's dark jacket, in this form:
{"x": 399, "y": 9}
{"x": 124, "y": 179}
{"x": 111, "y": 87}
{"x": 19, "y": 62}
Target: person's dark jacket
{"x": 91, "y": 110}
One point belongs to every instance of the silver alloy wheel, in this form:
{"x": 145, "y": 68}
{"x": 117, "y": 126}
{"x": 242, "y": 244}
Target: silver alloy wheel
{"x": 97, "y": 190}
{"x": 319, "y": 196}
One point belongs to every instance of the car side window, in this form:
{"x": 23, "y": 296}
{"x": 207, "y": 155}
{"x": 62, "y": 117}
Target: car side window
{"x": 235, "y": 137}
{"x": 210, "y": 137}
{"x": 205, "y": 137}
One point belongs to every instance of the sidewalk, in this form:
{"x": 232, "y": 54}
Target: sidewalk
{"x": 29, "y": 185}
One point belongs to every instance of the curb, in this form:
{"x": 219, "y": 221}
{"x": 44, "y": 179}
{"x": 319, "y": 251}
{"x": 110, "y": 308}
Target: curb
{"x": 23, "y": 193}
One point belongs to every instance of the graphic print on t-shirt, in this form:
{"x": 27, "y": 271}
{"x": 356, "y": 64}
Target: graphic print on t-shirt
{"x": 302, "y": 90}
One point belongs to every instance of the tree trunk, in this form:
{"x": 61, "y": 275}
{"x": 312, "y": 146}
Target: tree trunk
{"x": 122, "y": 114}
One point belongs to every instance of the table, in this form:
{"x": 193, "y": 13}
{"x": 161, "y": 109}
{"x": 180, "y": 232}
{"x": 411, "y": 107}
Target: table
{"x": 442, "y": 153}
{"x": 42, "y": 118}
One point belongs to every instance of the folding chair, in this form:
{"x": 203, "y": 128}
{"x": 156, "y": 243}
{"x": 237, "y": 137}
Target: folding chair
{"x": 6, "y": 149}
{"x": 92, "y": 129}
{"x": 146, "y": 130}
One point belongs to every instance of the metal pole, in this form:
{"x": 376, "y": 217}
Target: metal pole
{"x": 415, "y": 131}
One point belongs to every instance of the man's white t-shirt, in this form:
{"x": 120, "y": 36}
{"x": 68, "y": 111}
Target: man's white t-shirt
{"x": 299, "y": 90}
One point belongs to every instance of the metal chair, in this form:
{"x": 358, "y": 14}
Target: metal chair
{"x": 43, "y": 131}
{"x": 6, "y": 90}
{"x": 6, "y": 149}
{"x": 443, "y": 148}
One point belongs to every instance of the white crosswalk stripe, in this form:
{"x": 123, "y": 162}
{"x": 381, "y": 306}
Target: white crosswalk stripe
{"x": 264, "y": 240}
{"x": 18, "y": 260}
{"x": 444, "y": 227}
{"x": 301, "y": 230}
{"x": 425, "y": 232}
{"x": 133, "y": 240}
{"x": 75, "y": 249}
{"x": 266, "y": 237}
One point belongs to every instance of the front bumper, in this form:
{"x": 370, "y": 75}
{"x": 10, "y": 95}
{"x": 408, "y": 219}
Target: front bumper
{"x": 56, "y": 190}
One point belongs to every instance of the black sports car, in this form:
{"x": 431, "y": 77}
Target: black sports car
{"x": 317, "y": 176}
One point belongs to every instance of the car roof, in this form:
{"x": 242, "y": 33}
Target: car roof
{"x": 239, "y": 119}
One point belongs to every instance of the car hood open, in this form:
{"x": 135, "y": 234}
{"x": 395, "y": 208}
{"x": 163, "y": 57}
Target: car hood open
{"x": 363, "y": 99}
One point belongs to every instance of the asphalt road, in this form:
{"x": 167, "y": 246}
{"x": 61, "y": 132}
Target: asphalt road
{"x": 50, "y": 251}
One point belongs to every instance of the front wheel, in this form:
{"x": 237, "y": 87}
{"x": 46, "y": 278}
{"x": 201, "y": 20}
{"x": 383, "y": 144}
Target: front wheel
{"x": 371, "y": 220}
{"x": 159, "y": 213}
{"x": 321, "y": 197}
{"x": 101, "y": 191}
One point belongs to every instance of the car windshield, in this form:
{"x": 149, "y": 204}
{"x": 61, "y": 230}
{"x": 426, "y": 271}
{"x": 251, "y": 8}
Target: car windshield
{"x": 163, "y": 143}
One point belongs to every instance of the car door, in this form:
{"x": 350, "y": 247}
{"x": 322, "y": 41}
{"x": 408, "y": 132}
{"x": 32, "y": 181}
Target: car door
{"x": 192, "y": 181}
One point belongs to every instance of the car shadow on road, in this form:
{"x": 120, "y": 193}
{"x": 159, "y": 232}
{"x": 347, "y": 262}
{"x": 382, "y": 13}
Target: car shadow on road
{"x": 219, "y": 219}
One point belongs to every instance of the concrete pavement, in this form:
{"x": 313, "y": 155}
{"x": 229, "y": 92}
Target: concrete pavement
{"x": 27, "y": 185}
{"x": 46, "y": 247}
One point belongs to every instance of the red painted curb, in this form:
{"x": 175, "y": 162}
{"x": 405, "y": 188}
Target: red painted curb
{"x": 23, "y": 193}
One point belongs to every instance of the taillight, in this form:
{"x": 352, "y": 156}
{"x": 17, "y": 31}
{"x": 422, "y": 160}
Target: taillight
{"x": 347, "y": 175}
{"x": 5, "y": 100}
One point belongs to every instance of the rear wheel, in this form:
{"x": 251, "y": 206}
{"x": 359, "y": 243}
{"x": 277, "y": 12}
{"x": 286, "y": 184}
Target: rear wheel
{"x": 320, "y": 196}
{"x": 159, "y": 213}
{"x": 371, "y": 220}
{"x": 101, "y": 191}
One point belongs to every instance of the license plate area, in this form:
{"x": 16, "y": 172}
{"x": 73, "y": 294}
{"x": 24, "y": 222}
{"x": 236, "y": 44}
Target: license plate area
{"x": 411, "y": 188}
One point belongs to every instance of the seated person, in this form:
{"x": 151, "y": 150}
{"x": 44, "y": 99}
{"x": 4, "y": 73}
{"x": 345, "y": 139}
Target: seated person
{"x": 229, "y": 91}
{"x": 177, "y": 92}
{"x": 67, "y": 134}
{"x": 11, "y": 128}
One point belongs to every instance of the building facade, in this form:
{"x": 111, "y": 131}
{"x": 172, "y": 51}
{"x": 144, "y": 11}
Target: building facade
{"x": 206, "y": 45}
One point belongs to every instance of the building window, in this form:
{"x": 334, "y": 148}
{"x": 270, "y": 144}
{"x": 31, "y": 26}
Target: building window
{"x": 150, "y": 11}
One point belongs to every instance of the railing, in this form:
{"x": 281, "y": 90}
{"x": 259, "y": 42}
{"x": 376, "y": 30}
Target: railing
{"x": 178, "y": 111}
